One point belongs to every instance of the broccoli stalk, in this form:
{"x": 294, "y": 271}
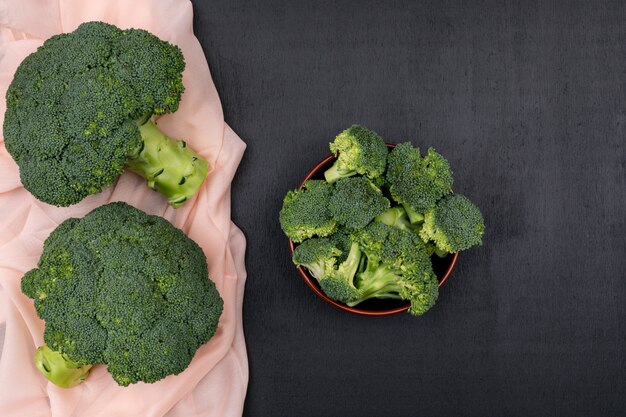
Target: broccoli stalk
{"x": 59, "y": 369}
{"x": 334, "y": 173}
{"x": 396, "y": 217}
{"x": 168, "y": 165}
{"x": 414, "y": 216}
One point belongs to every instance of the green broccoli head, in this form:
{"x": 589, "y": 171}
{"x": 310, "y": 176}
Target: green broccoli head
{"x": 454, "y": 224}
{"x": 318, "y": 255}
{"x": 361, "y": 151}
{"x": 305, "y": 212}
{"x": 75, "y": 109}
{"x": 111, "y": 292}
{"x": 354, "y": 202}
{"x": 415, "y": 182}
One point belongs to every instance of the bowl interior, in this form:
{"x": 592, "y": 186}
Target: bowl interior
{"x": 372, "y": 307}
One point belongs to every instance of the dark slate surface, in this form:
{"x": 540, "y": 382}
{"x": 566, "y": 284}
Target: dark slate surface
{"x": 528, "y": 102}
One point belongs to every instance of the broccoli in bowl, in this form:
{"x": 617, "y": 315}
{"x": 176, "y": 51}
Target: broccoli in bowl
{"x": 396, "y": 232}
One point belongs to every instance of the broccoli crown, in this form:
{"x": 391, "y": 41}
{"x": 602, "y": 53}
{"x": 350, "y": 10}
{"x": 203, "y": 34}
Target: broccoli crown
{"x": 354, "y": 202}
{"x": 417, "y": 182}
{"x": 361, "y": 151}
{"x": 73, "y": 105}
{"x": 305, "y": 212}
{"x": 454, "y": 224}
{"x": 111, "y": 291}
{"x": 318, "y": 255}
{"x": 398, "y": 266}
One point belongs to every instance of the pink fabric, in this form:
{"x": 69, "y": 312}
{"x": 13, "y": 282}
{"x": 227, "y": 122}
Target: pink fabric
{"x": 215, "y": 383}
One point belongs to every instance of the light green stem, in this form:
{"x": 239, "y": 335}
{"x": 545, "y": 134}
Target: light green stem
{"x": 59, "y": 369}
{"x": 168, "y": 165}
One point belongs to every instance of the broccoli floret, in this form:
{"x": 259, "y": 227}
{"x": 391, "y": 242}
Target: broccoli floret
{"x": 80, "y": 109}
{"x": 318, "y": 255}
{"x": 361, "y": 151}
{"x": 111, "y": 292}
{"x": 339, "y": 284}
{"x": 354, "y": 202}
{"x": 398, "y": 266}
{"x": 454, "y": 224}
{"x": 305, "y": 212}
{"x": 415, "y": 182}
{"x": 343, "y": 241}
{"x": 396, "y": 217}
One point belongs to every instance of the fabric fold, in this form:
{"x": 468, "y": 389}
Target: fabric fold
{"x": 215, "y": 382}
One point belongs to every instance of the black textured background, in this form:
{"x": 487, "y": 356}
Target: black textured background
{"x": 528, "y": 102}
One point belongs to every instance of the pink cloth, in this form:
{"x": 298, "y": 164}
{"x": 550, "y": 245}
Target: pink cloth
{"x": 215, "y": 383}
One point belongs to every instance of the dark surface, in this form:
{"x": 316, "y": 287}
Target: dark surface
{"x": 528, "y": 102}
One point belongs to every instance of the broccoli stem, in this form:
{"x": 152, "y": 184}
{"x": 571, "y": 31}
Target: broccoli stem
{"x": 334, "y": 173}
{"x": 352, "y": 263}
{"x": 414, "y": 216}
{"x": 168, "y": 165}
{"x": 395, "y": 216}
{"x": 59, "y": 369}
{"x": 379, "y": 282}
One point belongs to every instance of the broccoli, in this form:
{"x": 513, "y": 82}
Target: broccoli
{"x": 339, "y": 284}
{"x": 318, "y": 255}
{"x": 305, "y": 212}
{"x": 343, "y": 241}
{"x": 361, "y": 151}
{"x": 415, "y": 182}
{"x": 111, "y": 292}
{"x": 398, "y": 266}
{"x": 396, "y": 217}
{"x": 81, "y": 108}
{"x": 354, "y": 202}
{"x": 454, "y": 224}
{"x": 395, "y": 265}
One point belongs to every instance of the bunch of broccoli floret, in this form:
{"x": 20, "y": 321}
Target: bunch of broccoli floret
{"x": 370, "y": 228}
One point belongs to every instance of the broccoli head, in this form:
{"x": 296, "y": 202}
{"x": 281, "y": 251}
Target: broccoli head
{"x": 354, "y": 202}
{"x": 111, "y": 292}
{"x": 454, "y": 224}
{"x": 415, "y": 182}
{"x": 361, "y": 151}
{"x": 305, "y": 212}
{"x": 79, "y": 109}
{"x": 318, "y": 255}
